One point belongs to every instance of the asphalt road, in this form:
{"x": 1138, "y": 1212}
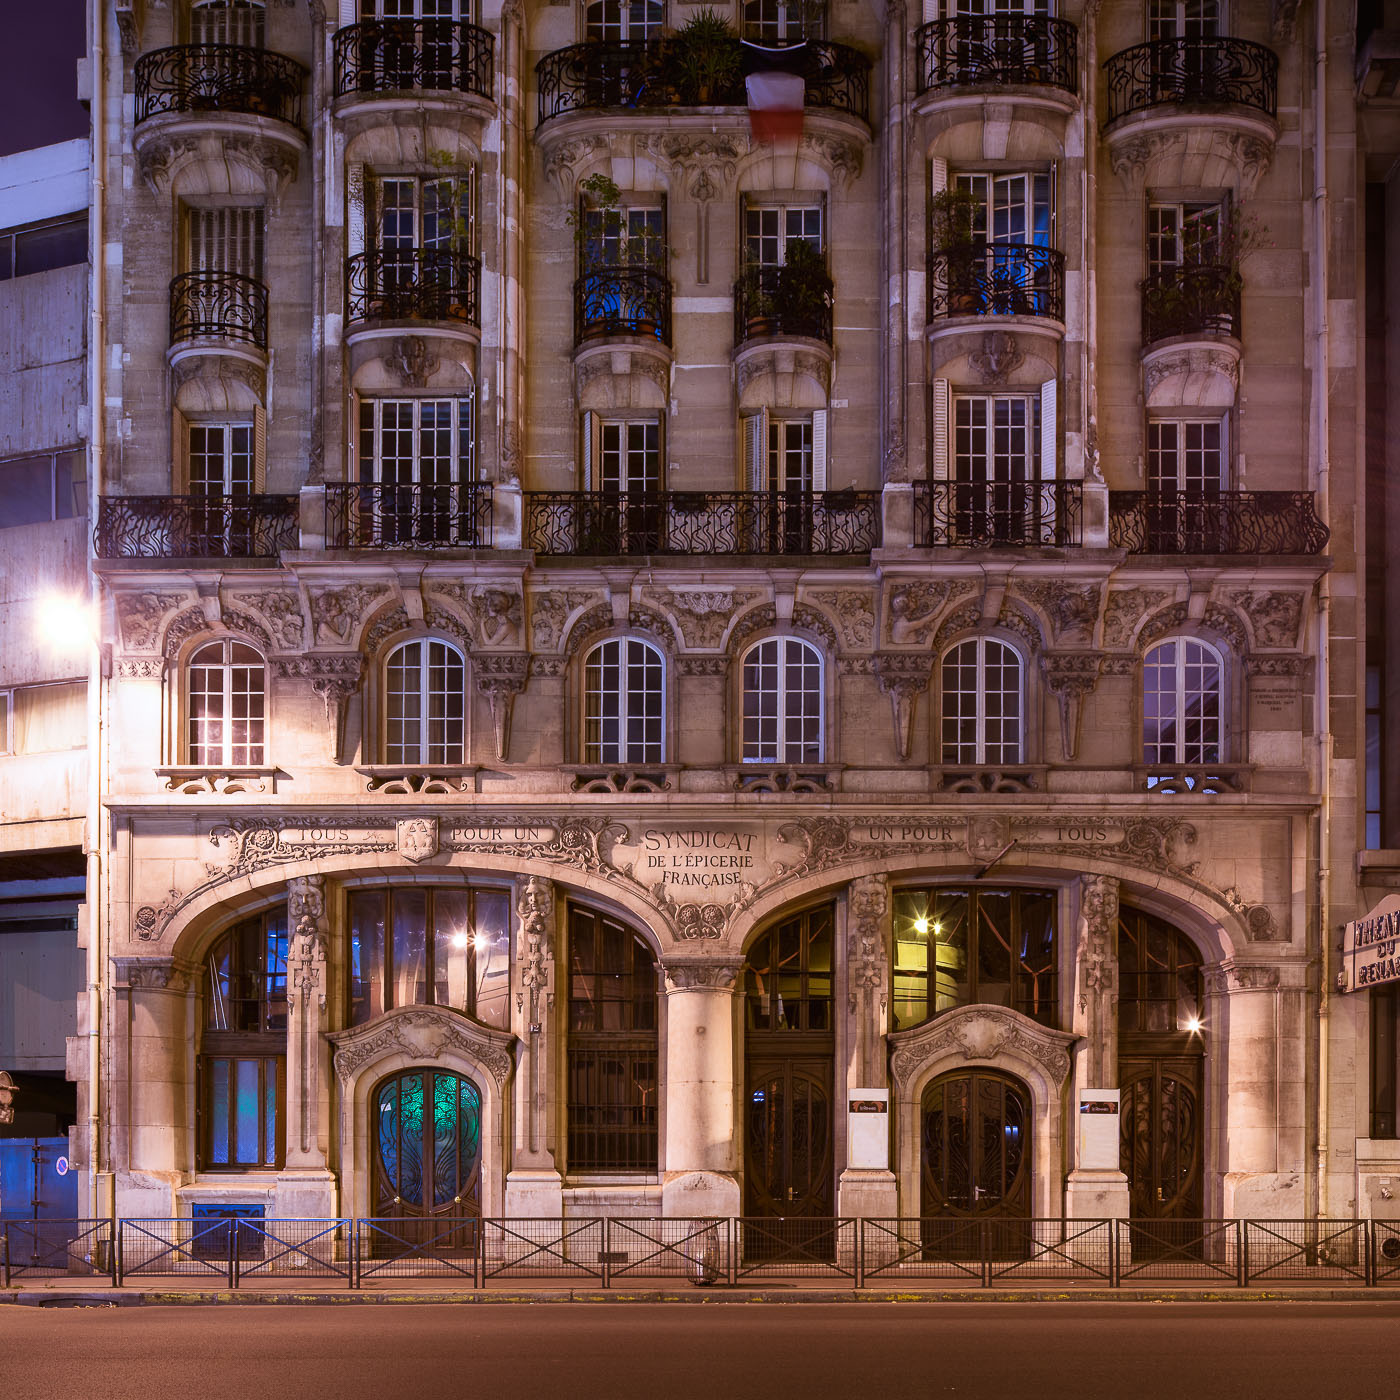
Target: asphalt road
{"x": 1126, "y": 1351}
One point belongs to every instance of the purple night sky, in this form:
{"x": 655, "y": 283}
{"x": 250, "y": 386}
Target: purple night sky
{"x": 38, "y": 77}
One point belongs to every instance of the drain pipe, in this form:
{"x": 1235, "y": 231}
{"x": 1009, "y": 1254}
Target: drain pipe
{"x": 1321, "y": 211}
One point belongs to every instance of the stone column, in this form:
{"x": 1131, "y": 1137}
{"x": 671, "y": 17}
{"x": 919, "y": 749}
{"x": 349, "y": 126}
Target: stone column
{"x": 533, "y": 1184}
{"x": 306, "y": 1190}
{"x": 1095, "y": 1190}
{"x": 867, "y": 1188}
{"x": 700, "y": 1172}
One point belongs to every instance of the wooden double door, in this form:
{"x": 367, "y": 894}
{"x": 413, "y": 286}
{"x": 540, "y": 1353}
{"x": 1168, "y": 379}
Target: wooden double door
{"x": 1161, "y": 1137}
{"x": 789, "y": 1113}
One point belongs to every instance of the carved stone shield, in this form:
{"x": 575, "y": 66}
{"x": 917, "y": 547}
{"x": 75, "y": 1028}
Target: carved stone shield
{"x": 418, "y": 838}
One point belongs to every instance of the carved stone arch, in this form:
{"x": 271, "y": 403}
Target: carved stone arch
{"x": 655, "y": 624}
{"x": 797, "y": 628}
{"x": 586, "y": 626}
{"x": 754, "y": 171}
{"x": 177, "y": 155}
{"x": 188, "y": 626}
{"x": 1018, "y": 619}
{"x": 967, "y": 618}
{"x": 1158, "y": 625}
{"x": 447, "y": 622}
{"x": 243, "y": 622}
{"x": 815, "y": 621}
{"x": 223, "y": 384}
{"x": 420, "y": 142}
{"x": 388, "y": 621}
{"x": 754, "y": 621}
{"x": 182, "y": 629}
{"x": 1230, "y": 625}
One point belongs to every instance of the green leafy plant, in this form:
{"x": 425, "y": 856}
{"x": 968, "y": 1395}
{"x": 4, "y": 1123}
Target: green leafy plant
{"x": 804, "y": 284}
{"x": 701, "y": 63}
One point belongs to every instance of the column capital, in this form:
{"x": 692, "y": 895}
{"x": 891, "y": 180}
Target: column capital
{"x": 702, "y": 974}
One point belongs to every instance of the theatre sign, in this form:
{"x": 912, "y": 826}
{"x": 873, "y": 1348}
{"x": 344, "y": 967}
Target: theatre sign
{"x": 1371, "y": 948}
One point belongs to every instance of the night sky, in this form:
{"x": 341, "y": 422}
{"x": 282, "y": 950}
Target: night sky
{"x": 43, "y": 40}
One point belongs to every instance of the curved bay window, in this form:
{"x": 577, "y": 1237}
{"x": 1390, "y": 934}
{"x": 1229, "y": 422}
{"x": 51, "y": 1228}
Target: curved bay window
{"x": 227, "y": 699}
{"x": 242, "y": 1062}
{"x": 782, "y": 702}
{"x": 612, "y": 1047}
{"x": 426, "y": 704}
{"x": 416, "y": 946}
{"x": 957, "y": 947}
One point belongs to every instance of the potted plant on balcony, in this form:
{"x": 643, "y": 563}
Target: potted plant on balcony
{"x": 701, "y": 63}
{"x": 804, "y": 289}
{"x": 952, "y": 214}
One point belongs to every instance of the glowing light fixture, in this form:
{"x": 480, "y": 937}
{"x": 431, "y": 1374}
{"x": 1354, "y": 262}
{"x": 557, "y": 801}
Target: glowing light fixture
{"x": 1193, "y": 1024}
{"x": 460, "y": 940}
{"x": 921, "y": 925}
{"x": 66, "y": 620}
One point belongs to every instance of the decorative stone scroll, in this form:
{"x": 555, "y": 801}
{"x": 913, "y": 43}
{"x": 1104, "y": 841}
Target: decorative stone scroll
{"x": 1098, "y": 975}
{"x": 423, "y": 1033}
{"x": 981, "y": 1034}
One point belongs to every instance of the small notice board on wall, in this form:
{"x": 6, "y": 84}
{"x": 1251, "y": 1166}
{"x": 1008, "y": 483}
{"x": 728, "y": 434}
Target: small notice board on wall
{"x": 1098, "y": 1129}
{"x": 868, "y": 1129}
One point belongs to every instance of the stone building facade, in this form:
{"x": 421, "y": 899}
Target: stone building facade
{"x": 659, "y": 644}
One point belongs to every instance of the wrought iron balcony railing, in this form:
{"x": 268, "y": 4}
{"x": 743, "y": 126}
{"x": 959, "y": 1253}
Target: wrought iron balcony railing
{"x": 992, "y": 514}
{"x": 972, "y": 49}
{"x": 375, "y": 515}
{"x": 622, "y": 301}
{"x": 225, "y": 305}
{"x": 1214, "y": 72}
{"x": 412, "y": 284}
{"x": 1002, "y": 279}
{"x": 414, "y": 55}
{"x": 195, "y": 527}
{"x": 599, "y": 75}
{"x": 219, "y": 78}
{"x": 594, "y": 523}
{"x": 1215, "y": 522}
{"x": 1190, "y": 300}
{"x": 784, "y": 300}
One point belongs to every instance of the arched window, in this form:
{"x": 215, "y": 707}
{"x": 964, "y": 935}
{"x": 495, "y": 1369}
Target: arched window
{"x": 982, "y": 703}
{"x": 227, "y": 22}
{"x": 426, "y": 704}
{"x": 227, "y": 706}
{"x": 624, "y": 703}
{"x": 955, "y": 947}
{"x": 782, "y": 702}
{"x": 422, "y": 946}
{"x": 1160, "y": 987}
{"x": 1181, "y": 685}
{"x": 242, "y": 1063}
{"x": 624, "y": 21}
{"x": 612, "y": 1047}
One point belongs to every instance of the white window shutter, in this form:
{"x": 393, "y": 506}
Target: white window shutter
{"x": 937, "y": 175}
{"x": 588, "y": 452}
{"x": 931, "y": 10}
{"x": 938, "y": 464}
{"x": 755, "y": 450}
{"x": 259, "y": 450}
{"x": 355, "y": 208}
{"x": 179, "y": 456}
{"x": 1049, "y": 437}
{"x": 819, "y": 450}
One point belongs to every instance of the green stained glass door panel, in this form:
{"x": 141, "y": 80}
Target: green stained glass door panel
{"x": 427, "y": 1146}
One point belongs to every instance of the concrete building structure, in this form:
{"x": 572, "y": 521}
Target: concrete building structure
{"x": 634, "y": 653}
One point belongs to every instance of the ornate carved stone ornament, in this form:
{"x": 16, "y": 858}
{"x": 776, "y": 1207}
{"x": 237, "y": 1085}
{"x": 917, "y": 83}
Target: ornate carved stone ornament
{"x": 139, "y": 616}
{"x": 240, "y": 161}
{"x": 336, "y": 613}
{"x": 424, "y": 1033}
{"x": 222, "y": 370}
{"x": 1098, "y": 907}
{"x": 335, "y": 677}
{"x": 150, "y": 920}
{"x": 151, "y": 974}
{"x": 280, "y": 608}
{"x": 1195, "y": 155}
{"x": 913, "y": 608}
{"x": 1258, "y": 918}
{"x": 1073, "y": 608}
{"x": 411, "y": 360}
{"x": 783, "y": 365}
{"x": 1125, "y": 609}
{"x": 980, "y": 1034}
{"x": 966, "y": 617}
{"x": 1235, "y": 976}
{"x": 1274, "y": 617}
{"x": 1193, "y": 364}
{"x": 854, "y": 610}
{"x": 1284, "y": 21}
{"x": 686, "y": 975}
{"x": 867, "y": 959}
{"x": 586, "y": 625}
{"x": 1274, "y": 665}
{"x": 500, "y": 677}
{"x": 706, "y": 163}
{"x": 843, "y": 157}
{"x": 903, "y": 676}
{"x": 1069, "y": 677}
{"x": 142, "y": 668}
{"x": 998, "y": 359}
{"x": 418, "y": 838}
{"x": 702, "y": 614}
{"x": 549, "y": 611}
{"x": 7, "y": 1098}
{"x": 389, "y": 623}
{"x": 535, "y": 909}
{"x": 563, "y": 164}
{"x": 703, "y": 665}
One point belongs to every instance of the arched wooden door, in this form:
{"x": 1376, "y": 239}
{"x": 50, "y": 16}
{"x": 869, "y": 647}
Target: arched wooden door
{"x": 1161, "y": 1137}
{"x": 976, "y": 1147}
{"x": 789, "y": 1138}
{"x": 427, "y": 1155}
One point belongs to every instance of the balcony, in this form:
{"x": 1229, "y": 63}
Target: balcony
{"x": 228, "y": 78}
{"x": 1001, "y": 279}
{"x": 1191, "y": 301}
{"x": 1215, "y": 522}
{"x": 1210, "y": 106}
{"x": 225, "y": 306}
{"x": 622, "y": 301}
{"x": 686, "y": 523}
{"x": 436, "y": 57}
{"x": 413, "y": 284}
{"x": 454, "y": 515}
{"x": 602, "y": 76}
{"x": 997, "y": 514}
{"x": 791, "y": 300}
{"x": 195, "y": 527}
{"x": 996, "y": 51}
{"x": 1200, "y": 72}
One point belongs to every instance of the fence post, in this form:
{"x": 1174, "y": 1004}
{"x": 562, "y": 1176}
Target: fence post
{"x": 479, "y": 1256}
{"x": 1115, "y": 1279}
{"x": 1368, "y": 1237}
{"x": 984, "y": 1235}
{"x": 607, "y": 1251}
{"x": 117, "y": 1253}
{"x": 234, "y": 1226}
{"x": 732, "y": 1262}
{"x": 860, "y": 1252}
{"x": 112, "y": 1249}
{"x": 5, "y": 1256}
{"x": 1242, "y": 1253}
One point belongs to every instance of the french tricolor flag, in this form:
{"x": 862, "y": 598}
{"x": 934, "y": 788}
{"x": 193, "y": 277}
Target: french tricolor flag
{"x": 776, "y": 103}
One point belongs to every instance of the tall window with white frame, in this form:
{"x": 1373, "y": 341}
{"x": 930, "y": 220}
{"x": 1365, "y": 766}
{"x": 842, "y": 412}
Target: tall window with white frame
{"x": 425, "y": 707}
{"x": 621, "y": 466}
{"x": 782, "y": 680}
{"x": 1186, "y": 466}
{"x": 1182, "y": 703}
{"x": 623, "y": 287}
{"x": 227, "y": 22}
{"x": 784, "y": 288}
{"x": 624, "y": 21}
{"x": 223, "y": 469}
{"x": 226, "y": 691}
{"x": 220, "y": 291}
{"x": 785, "y": 470}
{"x": 983, "y": 703}
{"x": 418, "y": 465}
{"x": 624, "y": 703}
{"x": 996, "y": 461}
{"x": 1182, "y": 19}
{"x": 783, "y": 22}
